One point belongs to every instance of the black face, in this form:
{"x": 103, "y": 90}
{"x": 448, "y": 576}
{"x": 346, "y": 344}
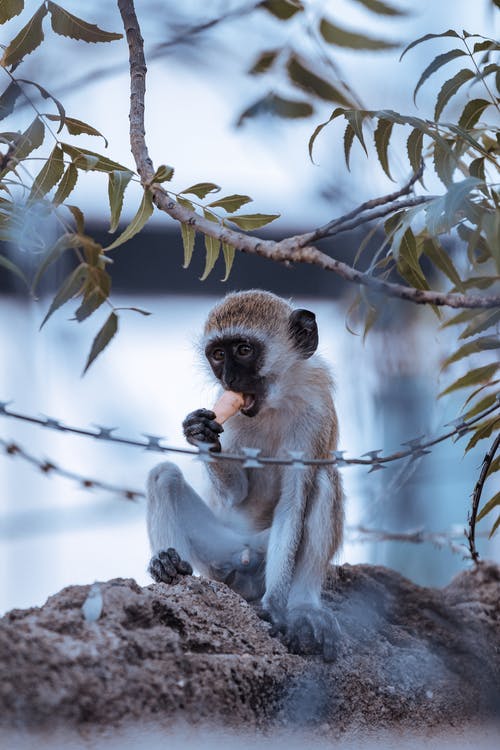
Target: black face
{"x": 236, "y": 362}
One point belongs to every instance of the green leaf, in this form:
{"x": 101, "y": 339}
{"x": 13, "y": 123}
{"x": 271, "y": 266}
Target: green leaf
{"x": 102, "y": 339}
{"x": 229, "y": 252}
{"x": 414, "y": 148}
{"x": 66, "y": 24}
{"x": 479, "y": 282}
{"x": 336, "y": 113}
{"x": 450, "y": 88}
{"x": 303, "y": 77}
{"x": 264, "y": 62}
{"x": 231, "y": 202}
{"x": 482, "y": 321}
{"x": 252, "y": 221}
{"x": 47, "y": 95}
{"x": 342, "y": 38}
{"x": 355, "y": 118}
{"x": 49, "y": 175}
{"x": 10, "y": 266}
{"x": 28, "y": 39}
{"x": 472, "y": 112}
{"x": 376, "y": 6}
{"x": 89, "y": 160}
{"x": 278, "y": 106}
{"x": 70, "y": 288}
{"x": 77, "y": 127}
{"x": 382, "y": 137}
{"x": 8, "y": 99}
{"x": 164, "y": 173}
{"x": 78, "y": 217}
{"x": 426, "y": 37}
{"x": 185, "y": 202}
{"x": 66, "y": 186}
{"x": 212, "y": 247}
{"x": 282, "y": 9}
{"x": 455, "y": 197}
{"x": 201, "y": 189}
{"x": 472, "y": 347}
{"x": 438, "y": 255}
{"x": 494, "y": 466}
{"x": 494, "y": 527}
{"x": 96, "y": 292}
{"x": 493, "y": 503}
{"x": 31, "y": 139}
{"x": 473, "y": 377}
{"x": 445, "y": 162}
{"x": 144, "y": 212}
{"x": 481, "y": 405}
{"x": 404, "y": 248}
{"x": 437, "y": 63}
{"x": 476, "y": 168}
{"x": 348, "y": 141}
{"x": 483, "y": 430}
{"x": 9, "y": 9}
{"x": 488, "y": 45}
{"x": 53, "y": 254}
{"x": 117, "y": 183}
{"x": 188, "y": 239}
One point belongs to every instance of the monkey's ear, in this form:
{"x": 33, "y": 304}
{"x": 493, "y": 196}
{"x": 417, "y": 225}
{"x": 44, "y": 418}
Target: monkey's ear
{"x": 303, "y": 332}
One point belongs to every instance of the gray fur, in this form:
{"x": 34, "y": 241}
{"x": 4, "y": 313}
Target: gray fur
{"x": 269, "y": 532}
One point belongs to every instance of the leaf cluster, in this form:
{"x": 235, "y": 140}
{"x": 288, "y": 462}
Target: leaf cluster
{"x": 299, "y": 70}
{"x": 464, "y": 153}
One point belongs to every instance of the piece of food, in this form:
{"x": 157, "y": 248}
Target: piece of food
{"x": 227, "y": 405}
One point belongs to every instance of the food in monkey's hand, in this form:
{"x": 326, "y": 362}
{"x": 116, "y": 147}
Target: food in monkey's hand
{"x": 228, "y": 405}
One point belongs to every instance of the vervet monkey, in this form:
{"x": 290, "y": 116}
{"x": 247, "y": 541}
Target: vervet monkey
{"x": 270, "y": 532}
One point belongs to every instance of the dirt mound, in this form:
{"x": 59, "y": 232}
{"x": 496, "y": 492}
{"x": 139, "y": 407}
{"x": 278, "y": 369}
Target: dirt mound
{"x": 408, "y": 657}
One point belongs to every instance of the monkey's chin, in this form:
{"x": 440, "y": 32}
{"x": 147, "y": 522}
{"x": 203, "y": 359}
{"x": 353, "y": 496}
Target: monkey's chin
{"x": 250, "y": 408}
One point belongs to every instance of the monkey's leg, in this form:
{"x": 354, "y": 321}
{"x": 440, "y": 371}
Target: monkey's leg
{"x": 310, "y": 626}
{"x": 178, "y": 518}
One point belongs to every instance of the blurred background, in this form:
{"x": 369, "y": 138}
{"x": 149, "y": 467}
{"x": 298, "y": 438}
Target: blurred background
{"x": 54, "y": 533}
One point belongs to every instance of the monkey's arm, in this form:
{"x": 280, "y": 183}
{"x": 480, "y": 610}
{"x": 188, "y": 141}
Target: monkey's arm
{"x": 229, "y": 480}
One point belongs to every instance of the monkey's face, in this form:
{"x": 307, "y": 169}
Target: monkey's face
{"x": 236, "y": 362}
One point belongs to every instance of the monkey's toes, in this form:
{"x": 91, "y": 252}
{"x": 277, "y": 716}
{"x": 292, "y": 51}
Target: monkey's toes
{"x": 167, "y": 566}
{"x": 311, "y": 631}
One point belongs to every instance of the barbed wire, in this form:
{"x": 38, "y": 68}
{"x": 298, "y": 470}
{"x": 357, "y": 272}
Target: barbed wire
{"x": 250, "y": 457}
{"x": 357, "y": 534}
{"x": 48, "y": 467}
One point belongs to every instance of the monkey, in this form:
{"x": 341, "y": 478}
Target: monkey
{"x": 269, "y": 532}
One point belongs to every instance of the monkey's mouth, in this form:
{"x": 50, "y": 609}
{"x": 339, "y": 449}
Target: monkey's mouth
{"x": 250, "y": 406}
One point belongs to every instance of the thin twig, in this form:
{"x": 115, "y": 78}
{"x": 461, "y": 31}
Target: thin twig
{"x": 289, "y": 250}
{"x": 384, "y": 200}
{"x": 476, "y": 497}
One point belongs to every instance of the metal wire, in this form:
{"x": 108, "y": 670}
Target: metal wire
{"x": 250, "y": 457}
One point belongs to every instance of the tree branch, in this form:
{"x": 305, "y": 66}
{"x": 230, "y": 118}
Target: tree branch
{"x": 476, "y": 497}
{"x": 289, "y": 250}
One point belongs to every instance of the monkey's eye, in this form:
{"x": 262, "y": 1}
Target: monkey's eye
{"x": 217, "y": 355}
{"x": 244, "y": 350}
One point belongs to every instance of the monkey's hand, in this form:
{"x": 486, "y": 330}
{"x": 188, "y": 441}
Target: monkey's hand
{"x": 166, "y": 566}
{"x": 311, "y": 630}
{"x": 201, "y": 427}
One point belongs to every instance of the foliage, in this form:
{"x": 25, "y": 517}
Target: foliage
{"x": 451, "y": 238}
{"x": 90, "y": 281}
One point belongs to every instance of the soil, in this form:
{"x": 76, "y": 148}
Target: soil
{"x": 195, "y": 652}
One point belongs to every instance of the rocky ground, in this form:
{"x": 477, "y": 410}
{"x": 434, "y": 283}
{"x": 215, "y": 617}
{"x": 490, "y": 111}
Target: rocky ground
{"x": 409, "y": 658}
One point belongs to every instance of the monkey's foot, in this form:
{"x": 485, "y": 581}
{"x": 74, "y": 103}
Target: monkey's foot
{"x": 311, "y": 631}
{"x": 166, "y": 566}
